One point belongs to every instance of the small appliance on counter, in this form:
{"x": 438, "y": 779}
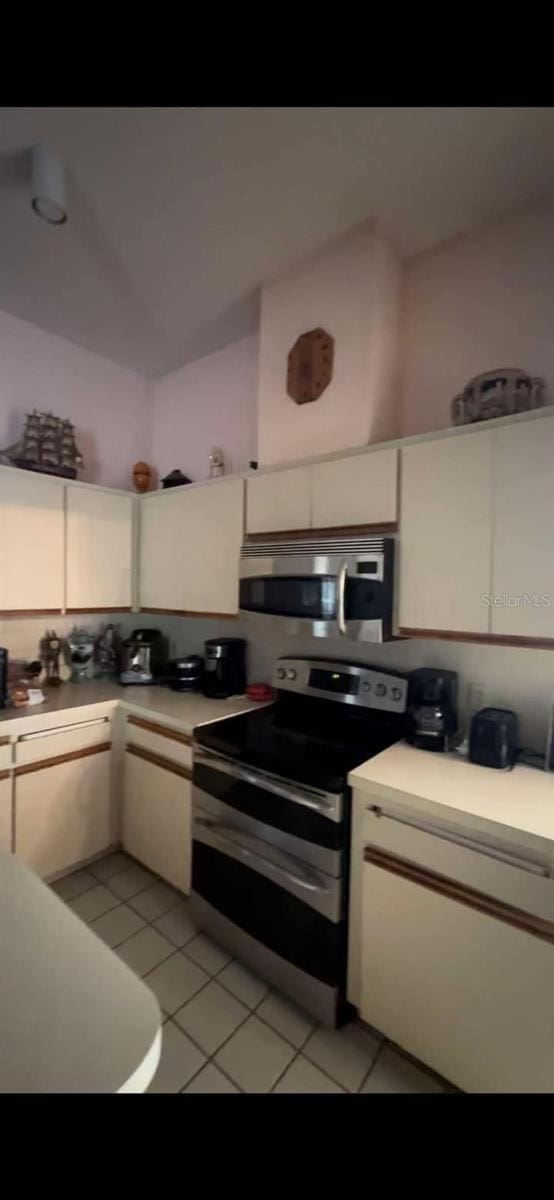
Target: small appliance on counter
{"x": 184, "y": 674}
{"x": 144, "y": 657}
{"x": 80, "y": 644}
{"x": 225, "y": 671}
{"x": 494, "y": 738}
{"x": 432, "y": 708}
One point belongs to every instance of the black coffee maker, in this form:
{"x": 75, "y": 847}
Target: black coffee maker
{"x": 432, "y": 708}
{"x": 225, "y": 667}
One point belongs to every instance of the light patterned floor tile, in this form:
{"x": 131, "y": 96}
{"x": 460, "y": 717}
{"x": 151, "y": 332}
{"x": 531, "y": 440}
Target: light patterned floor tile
{"x": 73, "y": 885}
{"x": 303, "y": 1078}
{"x": 144, "y": 950}
{"x": 286, "y": 1018}
{"x": 207, "y": 954}
{"x": 211, "y": 1017}
{"x": 113, "y": 864}
{"x": 177, "y": 925}
{"x": 394, "y": 1073}
{"x": 246, "y": 986}
{"x": 180, "y": 1060}
{"x": 93, "y": 903}
{"x": 345, "y": 1054}
{"x": 117, "y": 925}
{"x": 255, "y": 1056}
{"x": 131, "y": 881}
{"x": 210, "y": 1082}
{"x": 175, "y": 980}
{"x": 155, "y": 901}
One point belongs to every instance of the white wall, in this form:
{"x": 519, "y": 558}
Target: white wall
{"x": 352, "y": 289}
{"x": 108, "y": 404}
{"x": 209, "y": 402}
{"x": 482, "y": 301}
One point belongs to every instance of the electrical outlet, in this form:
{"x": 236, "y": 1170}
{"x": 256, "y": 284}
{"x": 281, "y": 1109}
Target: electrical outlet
{"x": 475, "y": 697}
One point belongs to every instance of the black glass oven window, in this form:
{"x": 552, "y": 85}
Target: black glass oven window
{"x": 335, "y": 681}
{"x": 312, "y": 596}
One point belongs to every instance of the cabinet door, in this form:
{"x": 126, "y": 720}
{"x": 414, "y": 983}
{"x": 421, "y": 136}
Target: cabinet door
{"x": 355, "y": 491}
{"x": 31, "y": 543}
{"x": 279, "y": 501}
{"x": 162, "y": 558}
{"x": 213, "y": 530}
{"x": 467, "y": 993}
{"x": 63, "y": 812}
{"x": 5, "y": 812}
{"x": 99, "y": 546}
{"x": 445, "y": 565}
{"x": 157, "y": 818}
{"x": 523, "y": 552}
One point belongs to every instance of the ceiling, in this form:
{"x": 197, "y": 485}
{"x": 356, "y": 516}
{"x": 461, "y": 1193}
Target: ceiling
{"x": 177, "y": 215}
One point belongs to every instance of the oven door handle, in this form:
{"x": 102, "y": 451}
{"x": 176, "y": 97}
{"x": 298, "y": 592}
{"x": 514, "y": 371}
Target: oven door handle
{"x": 318, "y": 802}
{"x": 221, "y": 832}
{"x": 341, "y": 598}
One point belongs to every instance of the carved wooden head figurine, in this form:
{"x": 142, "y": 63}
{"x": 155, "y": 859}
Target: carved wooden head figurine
{"x": 310, "y": 366}
{"x": 142, "y": 476}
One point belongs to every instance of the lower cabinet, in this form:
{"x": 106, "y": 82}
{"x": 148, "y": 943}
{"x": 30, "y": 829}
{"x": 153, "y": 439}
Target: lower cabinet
{"x": 5, "y": 812}
{"x": 63, "y": 812}
{"x": 157, "y": 815}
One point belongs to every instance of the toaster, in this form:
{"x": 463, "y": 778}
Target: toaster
{"x": 494, "y": 738}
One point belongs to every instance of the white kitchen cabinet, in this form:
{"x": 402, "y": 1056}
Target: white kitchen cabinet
{"x": 99, "y": 527}
{"x": 157, "y": 816}
{"x": 63, "y": 812}
{"x": 31, "y": 542}
{"x": 5, "y": 811}
{"x": 189, "y": 549}
{"x": 446, "y": 530}
{"x": 523, "y": 546}
{"x": 359, "y": 490}
{"x": 279, "y": 501}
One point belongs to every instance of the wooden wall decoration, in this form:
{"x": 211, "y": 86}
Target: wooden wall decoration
{"x": 310, "y": 366}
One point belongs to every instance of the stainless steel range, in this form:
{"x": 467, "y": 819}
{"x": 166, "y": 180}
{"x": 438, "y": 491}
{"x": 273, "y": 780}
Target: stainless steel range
{"x": 271, "y": 822}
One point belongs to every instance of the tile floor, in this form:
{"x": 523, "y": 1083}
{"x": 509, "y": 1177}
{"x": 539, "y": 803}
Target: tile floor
{"x": 224, "y": 1029}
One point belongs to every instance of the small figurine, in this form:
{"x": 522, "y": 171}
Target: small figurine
{"x": 217, "y": 462}
{"x": 142, "y": 477}
{"x": 51, "y": 647}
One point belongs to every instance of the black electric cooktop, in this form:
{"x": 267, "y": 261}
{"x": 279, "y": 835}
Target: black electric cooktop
{"x": 305, "y": 740}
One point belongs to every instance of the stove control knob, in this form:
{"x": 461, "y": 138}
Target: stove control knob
{"x": 395, "y": 693}
{"x": 366, "y": 686}
{"x": 380, "y": 689}
{"x": 291, "y": 674}
{"x": 280, "y": 673}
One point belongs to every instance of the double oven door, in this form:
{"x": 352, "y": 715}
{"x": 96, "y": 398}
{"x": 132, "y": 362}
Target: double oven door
{"x": 268, "y": 877}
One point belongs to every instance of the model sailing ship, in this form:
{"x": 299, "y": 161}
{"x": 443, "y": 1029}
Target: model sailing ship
{"x": 48, "y": 445}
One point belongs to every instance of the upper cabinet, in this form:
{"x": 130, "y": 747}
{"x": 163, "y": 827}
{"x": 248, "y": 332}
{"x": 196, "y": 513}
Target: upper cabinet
{"x": 359, "y": 490}
{"x": 99, "y": 549}
{"x": 278, "y": 501}
{"x": 444, "y": 570}
{"x": 31, "y": 542}
{"x": 523, "y": 546}
{"x": 190, "y": 543}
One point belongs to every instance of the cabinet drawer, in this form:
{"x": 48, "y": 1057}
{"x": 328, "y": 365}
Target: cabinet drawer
{"x": 525, "y": 887}
{"x": 5, "y": 754}
{"x": 159, "y": 740}
{"x": 68, "y": 739}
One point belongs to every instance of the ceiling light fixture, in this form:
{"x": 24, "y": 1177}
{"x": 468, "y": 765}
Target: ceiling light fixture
{"x": 48, "y": 185}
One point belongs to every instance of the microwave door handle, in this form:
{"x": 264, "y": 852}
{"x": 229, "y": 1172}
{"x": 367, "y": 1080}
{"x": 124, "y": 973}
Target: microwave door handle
{"x": 341, "y": 598}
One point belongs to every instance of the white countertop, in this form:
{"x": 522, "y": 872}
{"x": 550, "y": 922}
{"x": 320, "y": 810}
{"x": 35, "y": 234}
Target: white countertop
{"x": 180, "y": 710}
{"x": 511, "y": 806}
{"x": 73, "y": 1016}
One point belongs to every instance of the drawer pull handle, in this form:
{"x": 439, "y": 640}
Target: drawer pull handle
{"x": 158, "y": 761}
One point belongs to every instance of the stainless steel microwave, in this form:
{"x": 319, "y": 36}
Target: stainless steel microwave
{"x": 335, "y": 587}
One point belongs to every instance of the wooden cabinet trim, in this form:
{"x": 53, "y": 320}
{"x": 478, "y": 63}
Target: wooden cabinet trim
{"x": 486, "y": 639}
{"x": 157, "y": 760}
{"x": 162, "y": 730}
{"x": 4, "y": 775}
{"x": 27, "y": 768}
{"x": 31, "y": 612}
{"x": 4, "y": 741}
{"x": 117, "y": 609}
{"x": 470, "y": 897}
{"x": 327, "y": 531}
{"x": 186, "y": 612}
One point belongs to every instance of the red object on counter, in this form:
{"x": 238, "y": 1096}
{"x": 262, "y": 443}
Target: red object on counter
{"x": 260, "y": 691}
